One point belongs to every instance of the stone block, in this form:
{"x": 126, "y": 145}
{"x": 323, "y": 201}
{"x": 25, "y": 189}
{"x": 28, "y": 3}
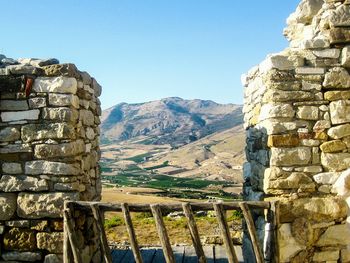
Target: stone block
{"x": 53, "y": 258}
{"x": 335, "y": 162}
{"x": 13, "y": 105}
{"x": 276, "y": 111}
{"x": 55, "y": 85}
{"x": 7, "y": 206}
{"x": 294, "y": 181}
{"x": 272, "y": 95}
{"x": 9, "y": 134}
{"x": 339, "y": 35}
{"x": 33, "y": 132}
{"x": 15, "y": 148}
{"x": 337, "y": 235}
{"x": 11, "y": 116}
{"x": 340, "y": 111}
{"x": 277, "y": 61}
{"x": 333, "y": 146}
{"x": 52, "y": 242}
{"x": 327, "y": 53}
{"x": 345, "y": 58}
{"x": 337, "y": 95}
{"x": 329, "y": 255}
{"x": 46, "y": 167}
{"x": 87, "y": 117}
{"x": 35, "y": 103}
{"x": 43, "y": 205}
{"x": 290, "y": 156}
{"x": 287, "y": 140}
{"x": 64, "y": 100}
{"x": 337, "y": 77}
{"x": 339, "y": 131}
{"x": 308, "y": 113}
{"x": 316, "y": 209}
{"x": 67, "y": 70}
{"x": 339, "y": 17}
{"x": 17, "y": 183}
{"x": 345, "y": 255}
{"x": 19, "y": 239}
{"x": 42, "y": 151}
{"x": 22, "y": 256}
{"x": 288, "y": 246}
{"x": 96, "y": 87}
{"x": 61, "y": 114}
{"x": 12, "y": 168}
{"x": 328, "y": 178}
{"x": 309, "y": 71}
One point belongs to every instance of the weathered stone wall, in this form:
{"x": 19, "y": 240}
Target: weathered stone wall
{"x": 49, "y": 153}
{"x": 297, "y": 116}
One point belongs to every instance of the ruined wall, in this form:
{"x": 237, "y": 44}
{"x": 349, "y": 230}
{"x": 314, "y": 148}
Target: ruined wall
{"x": 48, "y": 153}
{"x": 297, "y": 116}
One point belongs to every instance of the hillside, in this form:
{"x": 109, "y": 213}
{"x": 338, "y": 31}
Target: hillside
{"x": 173, "y": 121}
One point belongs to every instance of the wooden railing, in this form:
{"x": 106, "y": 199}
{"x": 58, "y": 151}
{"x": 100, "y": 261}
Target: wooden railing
{"x": 72, "y": 253}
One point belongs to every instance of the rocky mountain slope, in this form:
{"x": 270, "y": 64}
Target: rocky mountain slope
{"x": 172, "y": 121}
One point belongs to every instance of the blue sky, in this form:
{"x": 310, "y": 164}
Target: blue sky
{"x": 141, "y": 50}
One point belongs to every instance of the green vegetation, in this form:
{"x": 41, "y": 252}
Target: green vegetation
{"x": 140, "y": 158}
{"x": 113, "y": 222}
{"x": 165, "y": 164}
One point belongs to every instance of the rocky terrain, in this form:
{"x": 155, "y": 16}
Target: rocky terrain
{"x": 173, "y": 121}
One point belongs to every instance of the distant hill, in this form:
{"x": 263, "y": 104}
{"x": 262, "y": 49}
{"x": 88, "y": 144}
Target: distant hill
{"x": 172, "y": 120}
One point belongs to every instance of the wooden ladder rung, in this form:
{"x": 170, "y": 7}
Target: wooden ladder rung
{"x": 220, "y": 214}
{"x": 252, "y": 232}
{"x": 163, "y": 235}
{"x": 194, "y": 232}
{"x": 131, "y": 232}
{"x": 100, "y": 226}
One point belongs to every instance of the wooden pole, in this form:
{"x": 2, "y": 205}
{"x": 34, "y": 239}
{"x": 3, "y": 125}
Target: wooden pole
{"x": 220, "y": 214}
{"x": 69, "y": 229}
{"x": 194, "y": 232}
{"x": 131, "y": 232}
{"x": 67, "y": 250}
{"x": 100, "y": 226}
{"x": 163, "y": 235}
{"x": 252, "y": 232}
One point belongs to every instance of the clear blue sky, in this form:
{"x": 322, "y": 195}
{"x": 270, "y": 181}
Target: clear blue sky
{"x": 141, "y": 50}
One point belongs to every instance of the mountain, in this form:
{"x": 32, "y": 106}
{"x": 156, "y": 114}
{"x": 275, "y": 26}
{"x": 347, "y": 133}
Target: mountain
{"x": 172, "y": 120}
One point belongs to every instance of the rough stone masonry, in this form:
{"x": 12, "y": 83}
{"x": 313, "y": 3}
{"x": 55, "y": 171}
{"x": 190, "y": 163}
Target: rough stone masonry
{"x": 49, "y": 153}
{"x": 297, "y": 116}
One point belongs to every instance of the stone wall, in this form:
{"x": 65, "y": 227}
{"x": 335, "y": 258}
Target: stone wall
{"x": 49, "y": 153}
{"x": 297, "y": 116}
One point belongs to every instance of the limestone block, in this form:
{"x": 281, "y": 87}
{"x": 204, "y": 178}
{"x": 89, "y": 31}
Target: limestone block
{"x": 308, "y": 112}
{"x": 22, "y": 256}
{"x": 296, "y": 180}
{"x": 18, "y": 223}
{"x": 340, "y": 111}
{"x": 335, "y": 235}
{"x": 90, "y": 133}
{"x": 342, "y": 185}
{"x": 35, "y": 103}
{"x": 339, "y": 131}
{"x": 288, "y": 246}
{"x": 19, "y": 239}
{"x": 345, "y": 255}
{"x": 42, "y": 151}
{"x": 290, "y": 156}
{"x": 332, "y": 255}
{"x": 23, "y": 69}
{"x": 7, "y": 205}
{"x": 306, "y": 85}
{"x": 96, "y": 87}
{"x": 315, "y": 43}
{"x": 13, "y": 105}
{"x": 8, "y": 116}
{"x": 64, "y": 100}
{"x": 286, "y": 140}
{"x": 32, "y": 132}
{"x": 272, "y": 95}
{"x": 309, "y": 71}
{"x": 339, "y": 35}
{"x": 67, "y": 69}
{"x": 87, "y": 117}
{"x": 276, "y": 111}
{"x": 345, "y": 58}
{"x": 333, "y": 146}
{"x": 52, "y": 242}
{"x": 16, "y": 148}
{"x": 277, "y": 61}
{"x": 335, "y": 162}
{"x": 337, "y": 95}
{"x": 10, "y": 183}
{"x": 12, "y": 168}
{"x": 328, "y": 178}
{"x": 327, "y": 53}
{"x": 55, "y": 85}
{"x": 340, "y": 16}
{"x": 46, "y": 167}
{"x": 316, "y": 209}
{"x": 61, "y": 114}
{"x": 9, "y": 134}
{"x": 337, "y": 78}
{"x": 53, "y": 258}
{"x": 43, "y": 205}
